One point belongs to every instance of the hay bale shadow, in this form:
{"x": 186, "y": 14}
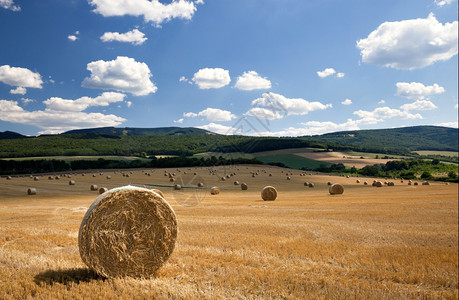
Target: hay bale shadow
{"x": 66, "y": 277}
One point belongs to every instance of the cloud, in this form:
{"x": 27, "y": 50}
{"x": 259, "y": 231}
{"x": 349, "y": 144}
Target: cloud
{"x": 443, "y": 2}
{"x": 250, "y": 80}
{"x": 80, "y": 104}
{"x": 212, "y": 115}
{"x": 419, "y": 105}
{"x": 123, "y": 74}
{"x": 325, "y": 73}
{"x": 27, "y": 100}
{"x": 199, "y": 2}
{"x": 273, "y": 106}
{"x": 134, "y": 37}
{"x": 72, "y": 37}
{"x": 448, "y": 124}
{"x": 340, "y": 75}
{"x": 382, "y": 101}
{"x": 9, "y": 4}
{"x": 152, "y": 11}
{"x": 128, "y": 104}
{"x": 218, "y": 128}
{"x": 410, "y": 44}
{"x": 19, "y": 91}
{"x": 346, "y": 102}
{"x": 62, "y": 115}
{"x": 416, "y": 90}
{"x": 179, "y": 121}
{"x": 209, "y": 78}
{"x": 382, "y": 113}
{"x": 20, "y": 77}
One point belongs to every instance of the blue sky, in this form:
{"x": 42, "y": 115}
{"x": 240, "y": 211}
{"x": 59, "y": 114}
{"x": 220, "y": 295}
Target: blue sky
{"x": 258, "y": 67}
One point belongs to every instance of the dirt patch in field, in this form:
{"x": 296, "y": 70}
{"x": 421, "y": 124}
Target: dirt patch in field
{"x": 345, "y": 159}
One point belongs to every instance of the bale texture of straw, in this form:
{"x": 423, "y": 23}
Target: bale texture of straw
{"x": 31, "y": 191}
{"x": 336, "y": 189}
{"x": 158, "y": 192}
{"x": 244, "y": 186}
{"x": 215, "y": 190}
{"x": 269, "y": 193}
{"x": 128, "y": 231}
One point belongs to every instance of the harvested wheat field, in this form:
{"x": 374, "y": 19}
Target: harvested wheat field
{"x": 391, "y": 242}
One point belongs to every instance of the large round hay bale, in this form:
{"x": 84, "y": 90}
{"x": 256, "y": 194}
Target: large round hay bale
{"x": 177, "y": 187}
{"x": 8, "y": 177}
{"x": 390, "y": 183}
{"x": 336, "y": 189}
{"x": 109, "y": 177}
{"x": 72, "y": 182}
{"x": 306, "y": 183}
{"x": 329, "y": 183}
{"x": 103, "y": 190}
{"x": 288, "y": 178}
{"x": 415, "y": 183}
{"x": 31, "y": 191}
{"x": 236, "y": 182}
{"x": 425, "y": 183}
{"x": 172, "y": 179}
{"x": 244, "y": 186}
{"x": 365, "y": 182}
{"x": 127, "y": 231}
{"x": 158, "y": 192}
{"x": 36, "y": 178}
{"x": 269, "y": 193}
{"x": 358, "y": 181}
{"x": 311, "y": 185}
{"x": 215, "y": 190}
{"x": 93, "y": 187}
{"x": 201, "y": 184}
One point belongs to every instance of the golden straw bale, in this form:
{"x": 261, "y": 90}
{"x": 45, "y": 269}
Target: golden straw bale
{"x": 244, "y": 186}
{"x": 336, "y": 189}
{"x": 103, "y": 190}
{"x": 31, "y": 191}
{"x": 158, "y": 192}
{"x": 215, "y": 190}
{"x": 93, "y": 187}
{"x": 425, "y": 183}
{"x": 269, "y": 193}
{"x": 127, "y": 231}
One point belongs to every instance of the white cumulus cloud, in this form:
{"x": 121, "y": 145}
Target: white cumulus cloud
{"x": 62, "y": 115}
{"x": 419, "y": 105}
{"x": 212, "y": 115}
{"x": 443, "y": 2}
{"x": 134, "y": 37}
{"x": 383, "y": 113}
{"x": 448, "y": 124}
{"x": 19, "y": 91}
{"x": 218, "y": 128}
{"x": 211, "y": 78}
{"x": 273, "y": 106}
{"x": 179, "y": 121}
{"x": 346, "y": 102}
{"x": 123, "y": 74}
{"x": 416, "y": 90}
{"x": 20, "y": 77}
{"x": 410, "y": 44}
{"x": 9, "y": 4}
{"x": 325, "y": 73}
{"x": 250, "y": 80}
{"x": 152, "y": 10}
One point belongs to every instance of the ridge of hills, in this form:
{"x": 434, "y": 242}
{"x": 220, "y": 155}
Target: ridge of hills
{"x": 188, "y": 141}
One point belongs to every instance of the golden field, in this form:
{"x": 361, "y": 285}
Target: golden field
{"x": 397, "y": 242}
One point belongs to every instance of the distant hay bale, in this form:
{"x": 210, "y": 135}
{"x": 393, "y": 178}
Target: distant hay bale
{"x": 306, "y": 183}
{"x": 127, "y": 231}
{"x": 236, "y": 182}
{"x": 109, "y": 177}
{"x": 59, "y": 177}
{"x": 177, "y": 187}
{"x": 365, "y": 182}
{"x": 425, "y": 183}
{"x": 378, "y": 184}
{"x": 329, "y": 183}
{"x": 244, "y": 186}
{"x": 8, "y": 178}
{"x": 311, "y": 185}
{"x": 288, "y": 178}
{"x": 172, "y": 179}
{"x": 416, "y": 183}
{"x": 31, "y": 191}
{"x": 50, "y": 177}
{"x": 358, "y": 181}
{"x": 102, "y": 190}
{"x": 390, "y": 183}
{"x": 270, "y": 175}
{"x": 93, "y": 175}
{"x": 253, "y": 175}
{"x": 215, "y": 190}
{"x": 223, "y": 178}
{"x": 336, "y": 189}
{"x": 269, "y": 193}
{"x": 201, "y": 184}
{"x": 36, "y": 178}
{"x": 72, "y": 182}
{"x": 93, "y": 187}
